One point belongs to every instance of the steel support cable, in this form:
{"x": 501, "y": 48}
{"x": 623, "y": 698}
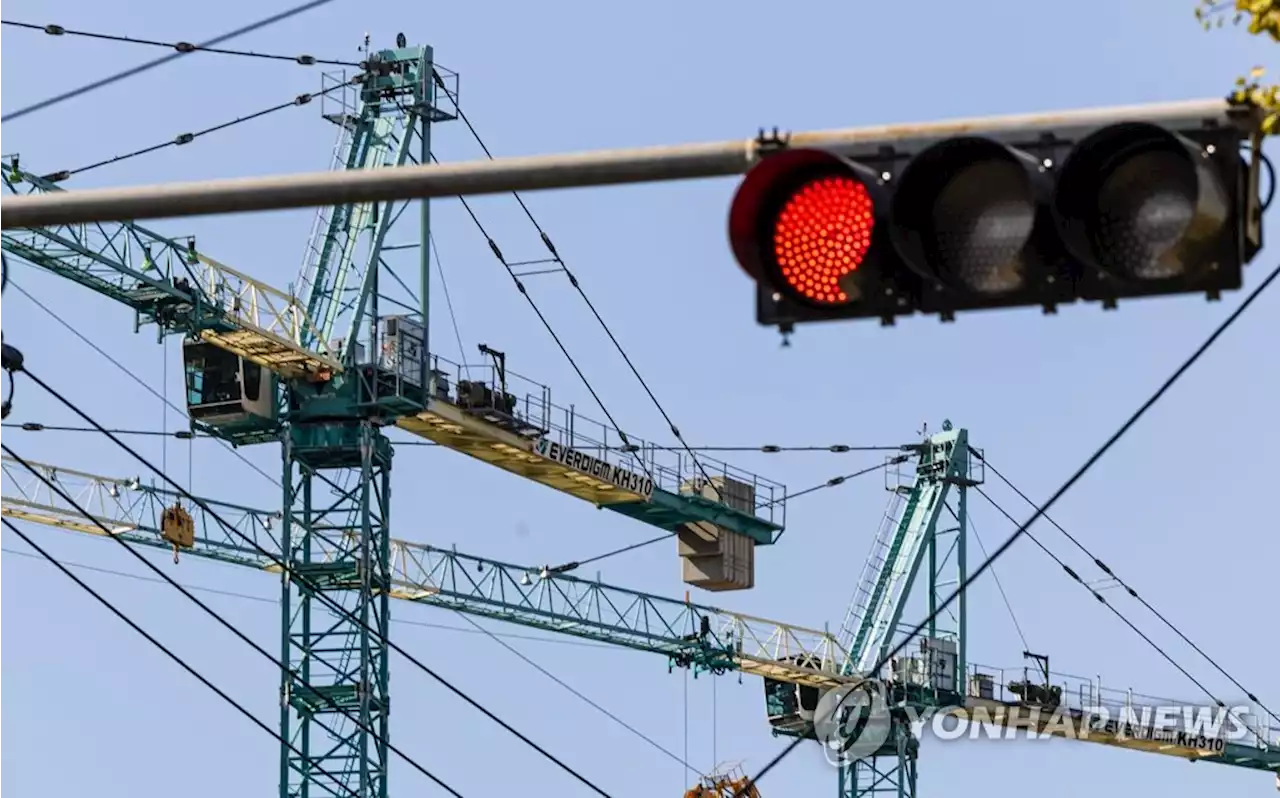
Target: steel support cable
{"x": 319, "y": 594}
{"x": 1128, "y": 589}
{"x": 1042, "y": 508}
{"x": 520, "y": 286}
{"x": 167, "y": 651}
{"x": 181, "y": 48}
{"x": 35, "y": 426}
{"x": 186, "y": 138}
{"x": 1075, "y": 577}
{"x": 149, "y": 65}
{"x": 282, "y": 666}
{"x": 105, "y": 356}
{"x": 573, "y": 280}
{"x": 830, "y": 483}
{"x": 1008, "y": 605}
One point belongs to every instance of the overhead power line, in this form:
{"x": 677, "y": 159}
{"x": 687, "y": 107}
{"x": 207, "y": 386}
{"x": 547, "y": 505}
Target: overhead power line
{"x": 186, "y": 138}
{"x": 557, "y": 641}
{"x": 128, "y": 73}
{"x": 1043, "y": 508}
{"x": 1128, "y": 589}
{"x": 169, "y": 652}
{"x": 180, "y": 47}
{"x": 131, "y": 375}
{"x": 573, "y": 280}
{"x": 318, "y": 593}
{"x": 282, "y": 666}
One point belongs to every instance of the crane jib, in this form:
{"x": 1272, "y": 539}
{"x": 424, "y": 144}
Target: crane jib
{"x": 626, "y": 479}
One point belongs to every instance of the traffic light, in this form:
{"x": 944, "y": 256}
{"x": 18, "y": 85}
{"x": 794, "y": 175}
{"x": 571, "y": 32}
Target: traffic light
{"x": 1034, "y": 211}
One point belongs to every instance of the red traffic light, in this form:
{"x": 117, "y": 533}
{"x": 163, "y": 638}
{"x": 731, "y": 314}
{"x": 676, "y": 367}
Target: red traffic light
{"x": 804, "y": 221}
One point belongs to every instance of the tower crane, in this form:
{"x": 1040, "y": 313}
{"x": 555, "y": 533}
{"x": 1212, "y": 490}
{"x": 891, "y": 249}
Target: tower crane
{"x": 921, "y": 545}
{"x": 323, "y": 368}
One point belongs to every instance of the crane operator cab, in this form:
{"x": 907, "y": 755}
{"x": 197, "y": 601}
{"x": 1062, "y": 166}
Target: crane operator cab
{"x": 227, "y": 392}
{"x": 791, "y": 707}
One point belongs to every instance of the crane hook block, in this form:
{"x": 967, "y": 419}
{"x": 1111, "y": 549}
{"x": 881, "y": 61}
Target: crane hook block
{"x": 177, "y": 527}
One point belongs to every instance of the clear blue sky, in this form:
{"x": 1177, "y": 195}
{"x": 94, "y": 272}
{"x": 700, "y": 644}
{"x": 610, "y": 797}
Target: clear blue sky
{"x": 1178, "y": 508}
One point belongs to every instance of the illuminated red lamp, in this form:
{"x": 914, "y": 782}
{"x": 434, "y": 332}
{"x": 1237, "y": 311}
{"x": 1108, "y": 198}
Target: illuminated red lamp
{"x": 803, "y": 222}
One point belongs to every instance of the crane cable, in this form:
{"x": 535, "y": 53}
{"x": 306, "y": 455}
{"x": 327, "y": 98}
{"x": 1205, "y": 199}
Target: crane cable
{"x": 318, "y": 593}
{"x": 186, "y": 434}
{"x": 1076, "y": 578}
{"x": 186, "y": 138}
{"x": 149, "y": 65}
{"x": 573, "y": 280}
{"x": 171, "y": 655}
{"x": 284, "y": 668}
{"x": 1008, "y": 605}
{"x": 1159, "y": 393}
{"x": 131, "y": 375}
{"x": 1127, "y": 588}
{"x": 830, "y": 483}
{"x": 180, "y": 47}
{"x": 524, "y": 292}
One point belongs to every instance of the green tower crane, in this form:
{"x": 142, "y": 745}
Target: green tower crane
{"x": 323, "y": 369}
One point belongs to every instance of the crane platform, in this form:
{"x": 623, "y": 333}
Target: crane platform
{"x": 501, "y": 418}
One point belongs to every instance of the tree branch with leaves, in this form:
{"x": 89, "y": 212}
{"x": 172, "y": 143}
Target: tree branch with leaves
{"x": 1263, "y": 17}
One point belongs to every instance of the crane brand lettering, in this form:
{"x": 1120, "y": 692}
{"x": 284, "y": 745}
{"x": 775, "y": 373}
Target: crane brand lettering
{"x": 594, "y": 467}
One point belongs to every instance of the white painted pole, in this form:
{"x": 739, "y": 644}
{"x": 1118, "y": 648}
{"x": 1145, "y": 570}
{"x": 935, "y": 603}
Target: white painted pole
{"x": 574, "y": 170}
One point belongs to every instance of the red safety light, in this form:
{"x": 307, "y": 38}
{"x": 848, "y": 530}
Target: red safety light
{"x": 804, "y": 221}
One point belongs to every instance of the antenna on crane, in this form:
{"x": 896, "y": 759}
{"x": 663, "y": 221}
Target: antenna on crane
{"x": 499, "y": 365}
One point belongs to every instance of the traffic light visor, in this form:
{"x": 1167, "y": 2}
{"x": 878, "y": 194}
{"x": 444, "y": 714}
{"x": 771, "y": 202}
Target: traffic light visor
{"x": 803, "y": 221}
{"x": 964, "y": 214}
{"x": 1139, "y": 203}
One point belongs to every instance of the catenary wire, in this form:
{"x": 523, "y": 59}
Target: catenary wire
{"x": 181, "y": 47}
{"x": 166, "y": 650}
{"x": 186, "y": 138}
{"x": 35, "y": 426}
{"x": 225, "y": 445}
{"x": 520, "y": 286}
{"x": 1075, "y": 577}
{"x": 573, "y": 280}
{"x": 318, "y": 593}
{"x": 1125, "y": 586}
{"x": 149, "y": 65}
{"x": 283, "y": 667}
{"x": 1043, "y": 508}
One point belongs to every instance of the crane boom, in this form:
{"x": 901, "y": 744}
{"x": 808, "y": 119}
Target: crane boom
{"x": 703, "y": 637}
{"x": 169, "y": 283}
{"x": 689, "y": 635}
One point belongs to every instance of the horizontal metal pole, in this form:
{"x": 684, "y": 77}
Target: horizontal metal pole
{"x": 578, "y": 170}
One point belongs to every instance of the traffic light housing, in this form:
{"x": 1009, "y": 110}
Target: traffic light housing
{"x": 950, "y": 218}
